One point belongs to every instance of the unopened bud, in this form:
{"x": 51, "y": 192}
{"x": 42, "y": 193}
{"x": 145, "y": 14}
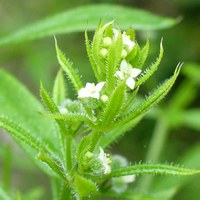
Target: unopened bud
{"x": 103, "y": 52}
{"x": 107, "y": 41}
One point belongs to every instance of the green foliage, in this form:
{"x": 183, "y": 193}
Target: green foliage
{"x": 59, "y": 90}
{"x": 78, "y": 19}
{"x": 74, "y": 156}
{"x": 67, "y": 67}
{"x": 151, "y": 169}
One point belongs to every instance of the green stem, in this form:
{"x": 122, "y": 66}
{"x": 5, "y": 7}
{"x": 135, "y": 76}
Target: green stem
{"x": 69, "y": 154}
{"x": 155, "y": 148}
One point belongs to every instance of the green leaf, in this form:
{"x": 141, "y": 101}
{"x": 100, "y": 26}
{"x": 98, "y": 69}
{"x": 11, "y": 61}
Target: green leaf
{"x": 19, "y": 106}
{"x": 29, "y": 144}
{"x": 153, "y": 169}
{"x": 68, "y": 69}
{"x": 78, "y": 19}
{"x": 151, "y": 100}
{"x": 72, "y": 117}
{"x": 59, "y": 90}
{"x": 84, "y": 187}
{"x": 114, "y": 104}
{"x": 149, "y": 72}
{"x": 91, "y": 58}
{"x": 143, "y": 55}
{"x": 130, "y": 195}
{"x": 114, "y": 56}
{"x": 173, "y": 184}
{"x": 54, "y": 163}
{"x": 96, "y": 47}
{"x": 19, "y": 133}
{"x": 51, "y": 106}
{"x": 117, "y": 132}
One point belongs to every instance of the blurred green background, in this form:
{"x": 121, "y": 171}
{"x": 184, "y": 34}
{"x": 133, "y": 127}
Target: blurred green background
{"x": 33, "y": 61}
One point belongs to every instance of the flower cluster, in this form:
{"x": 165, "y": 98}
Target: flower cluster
{"x": 125, "y": 70}
{"x": 104, "y": 110}
{"x": 98, "y": 163}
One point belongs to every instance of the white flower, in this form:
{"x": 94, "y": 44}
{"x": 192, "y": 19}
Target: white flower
{"x": 127, "y": 72}
{"x": 128, "y": 43}
{"x": 90, "y": 90}
{"x": 103, "y": 157}
{"x": 128, "y": 178}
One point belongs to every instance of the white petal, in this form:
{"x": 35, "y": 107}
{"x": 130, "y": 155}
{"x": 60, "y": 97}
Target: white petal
{"x": 95, "y": 95}
{"x": 101, "y": 154}
{"x": 135, "y": 72}
{"x": 107, "y": 169}
{"x": 119, "y": 74}
{"x": 90, "y": 87}
{"x": 130, "y": 82}
{"x": 82, "y": 93}
{"x": 115, "y": 33}
{"x": 99, "y": 86}
{"x": 128, "y": 178}
{"x": 128, "y": 42}
{"x": 124, "y": 66}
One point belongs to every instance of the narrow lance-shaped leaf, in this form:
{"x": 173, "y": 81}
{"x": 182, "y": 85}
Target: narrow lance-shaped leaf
{"x": 23, "y": 137}
{"x": 114, "y": 104}
{"x": 72, "y": 117}
{"x": 19, "y": 133}
{"x": 114, "y": 56}
{"x": 154, "y": 169}
{"x": 51, "y": 106}
{"x": 84, "y": 187}
{"x": 21, "y": 107}
{"x": 143, "y": 55}
{"x": 77, "y": 19}
{"x": 59, "y": 89}
{"x": 151, "y": 100}
{"x": 115, "y": 133}
{"x": 96, "y": 47}
{"x": 68, "y": 69}
{"x": 149, "y": 72}
{"x": 91, "y": 58}
{"x": 54, "y": 163}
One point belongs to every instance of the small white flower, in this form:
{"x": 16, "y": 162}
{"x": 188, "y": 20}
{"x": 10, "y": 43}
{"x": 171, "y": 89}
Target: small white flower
{"x": 128, "y": 178}
{"x": 127, "y": 72}
{"x": 128, "y": 43}
{"x": 105, "y": 160}
{"x": 90, "y": 90}
{"x": 115, "y": 33}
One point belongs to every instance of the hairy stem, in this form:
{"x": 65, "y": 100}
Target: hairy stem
{"x": 69, "y": 154}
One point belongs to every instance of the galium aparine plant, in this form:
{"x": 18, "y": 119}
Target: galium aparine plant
{"x": 102, "y": 112}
